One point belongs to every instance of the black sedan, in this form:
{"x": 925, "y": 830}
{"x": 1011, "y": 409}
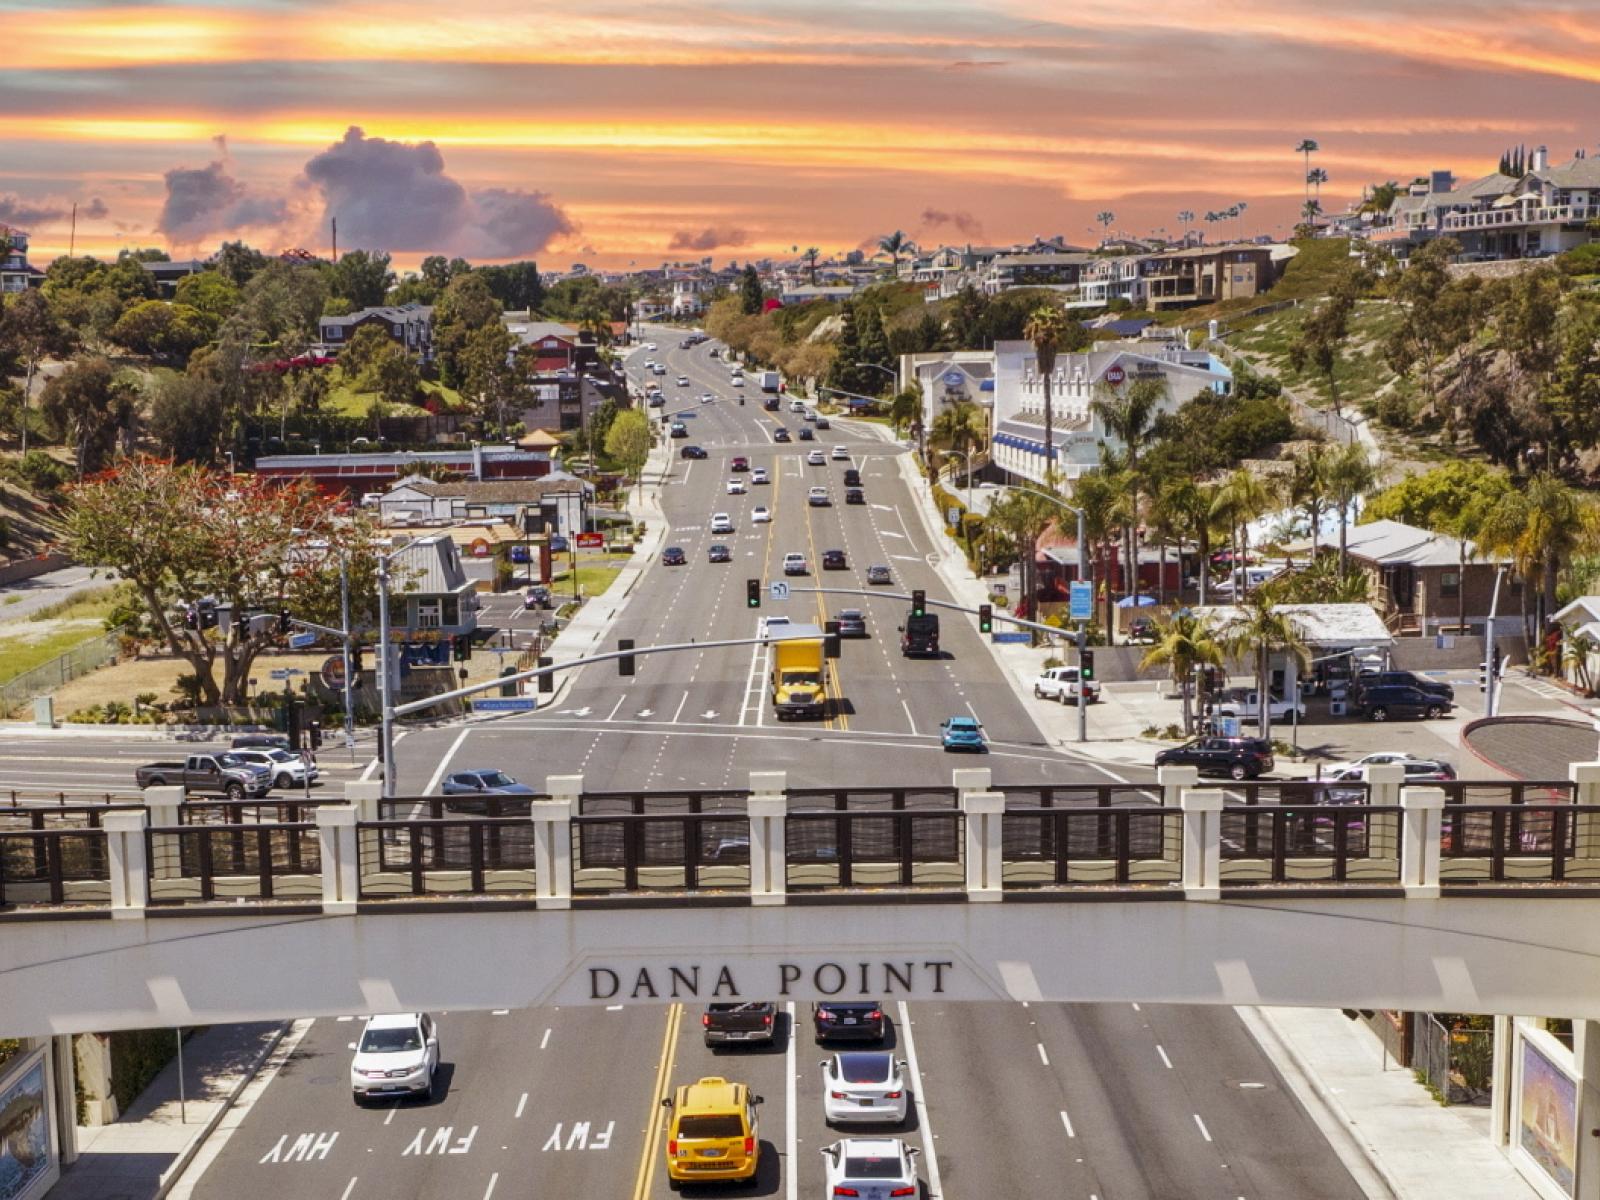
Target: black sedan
{"x": 852, "y": 623}
{"x": 848, "y": 1020}
{"x": 673, "y": 556}
{"x": 691, "y": 451}
{"x": 855, "y": 496}
{"x": 679, "y": 429}
{"x": 833, "y": 560}
{"x": 717, "y": 552}
{"x": 806, "y": 435}
{"x": 780, "y": 434}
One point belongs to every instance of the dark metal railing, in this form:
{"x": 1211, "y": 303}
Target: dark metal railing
{"x": 1063, "y": 846}
{"x": 250, "y": 812}
{"x": 890, "y": 847}
{"x": 18, "y": 798}
{"x": 639, "y": 804}
{"x": 873, "y": 799}
{"x": 233, "y": 862}
{"x": 1311, "y": 843}
{"x": 61, "y": 816}
{"x": 445, "y": 808}
{"x": 1079, "y": 795}
{"x": 1521, "y": 842}
{"x": 54, "y": 866}
{"x": 1279, "y": 792}
{"x": 681, "y": 851}
{"x": 446, "y": 857}
{"x": 1513, "y": 791}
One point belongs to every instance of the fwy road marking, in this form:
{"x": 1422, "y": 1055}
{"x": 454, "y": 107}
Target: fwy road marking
{"x": 1043, "y": 1057}
{"x": 1204, "y": 1132}
{"x": 1165, "y": 1061}
{"x": 578, "y": 1137}
{"x": 544, "y": 1041}
{"x": 1067, "y": 1121}
{"x": 522, "y": 1103}
{"x": 935, "y": 1185}
{"x": 441, "y": 1142}
{"x": 349, "y": 1187}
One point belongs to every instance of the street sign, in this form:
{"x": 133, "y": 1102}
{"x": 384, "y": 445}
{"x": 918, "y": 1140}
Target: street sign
{"x": 281, "y": 673}
{"x": 591, "y": 541}
{"x": 506, "y": 704}
{"x": 778, "y": 590}
{"x": 299, "y": 641}
{"x": 1012, "y": 636}
{"x": 1080, "y": 600}
{"x": 480, "y": 548}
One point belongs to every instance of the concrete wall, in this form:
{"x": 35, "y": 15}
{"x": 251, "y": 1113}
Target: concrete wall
{"x": 1534, "y": 952}
{"x": 27, "y": 568}
{"x": 1423, "y": 654}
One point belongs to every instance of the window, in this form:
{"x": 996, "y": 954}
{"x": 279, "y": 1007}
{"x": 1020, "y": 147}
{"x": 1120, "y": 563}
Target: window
{"x": 1450, "y": 583}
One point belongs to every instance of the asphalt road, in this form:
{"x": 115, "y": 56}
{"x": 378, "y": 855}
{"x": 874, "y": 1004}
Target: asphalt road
{"x": 1067, "y": 1101}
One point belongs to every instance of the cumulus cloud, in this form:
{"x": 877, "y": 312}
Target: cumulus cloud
{"x": 95, "y": 210}
{"x": 962, "y": 220}
{"x": 202, "y": 201}
{"x": 389, "y": 195}
{"x": 14, "y": 210}
{"x": 709, "y": 238}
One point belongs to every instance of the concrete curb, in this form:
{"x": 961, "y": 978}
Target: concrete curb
{"x": 173, "y": 1174}
{"x": 1323, "y": 1107}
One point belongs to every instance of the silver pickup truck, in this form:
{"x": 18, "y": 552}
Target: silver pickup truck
{"x": 213, "y": 774}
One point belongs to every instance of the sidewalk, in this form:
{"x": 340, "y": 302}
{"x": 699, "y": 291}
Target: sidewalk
{"x": 139, "y": 1156}
{"x": 1395, "y": 1138}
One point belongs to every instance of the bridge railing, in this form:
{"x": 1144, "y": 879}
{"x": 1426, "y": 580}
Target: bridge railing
{"x": 769, "y": 845}
{"x": 59, "y": 816}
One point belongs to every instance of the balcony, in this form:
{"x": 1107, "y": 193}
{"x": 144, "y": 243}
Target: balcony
{"x": 1519, "y": 215}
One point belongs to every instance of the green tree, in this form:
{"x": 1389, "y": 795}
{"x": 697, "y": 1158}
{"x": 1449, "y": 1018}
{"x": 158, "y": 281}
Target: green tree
{"x": 163, "y": 331}
{"x": 518, "y": 287}
{"x": 187, "y": 419}
{"x": 905, "y": 410}
{"x": 844, "y": 374}
{"x": 1129, "y": 417}
{"x": 211, "y": 292}
{"x": 32, "y": 330}
{"x": 1260, "y": 629}
{"x": 961, "y": 427}
{"x": 1540, "y": 525}
{"x": 1024, "y": 517}
{"x": 751, "y": 298}
{"x": 397, "y": 377}
{"x": 1188, "y": 504}
{"x": 239, "y": 263}
{"x": 1242, "y": 497}
{"x": 370, "y": 342}
{"x": 1184, "y": 644}
{"x": 1324, "y": 333}
{"x": 362, "y": 277}
{"x": 874, "y": 346}
{"x": 1350, "y": 476}
{"x": 628, "y": 443}
{"x": 1432, "y": 317}
{"x": 1307, "y": 486}
{"x": 894, "y": 245}
{"x": 90, "y": 406}
{"x": 464, "y": 307}
{"x": 488, "y": 375}
{"x": 1047, "y": 330}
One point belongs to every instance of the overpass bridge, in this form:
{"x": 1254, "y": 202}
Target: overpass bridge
{"x": 170, "y": 911}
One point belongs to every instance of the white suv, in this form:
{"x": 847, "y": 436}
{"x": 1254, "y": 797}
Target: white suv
{"x": 288, "y": 769}
{"x": 398, "y": 1054}
{"x": 794, "y": 564}
{"x": 721, "y": 523}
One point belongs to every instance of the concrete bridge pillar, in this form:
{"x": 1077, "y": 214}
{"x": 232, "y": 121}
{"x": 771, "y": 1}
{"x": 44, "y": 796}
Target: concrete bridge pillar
{"x": 341, "y": 866}
{"x": 125, "y": 857}
{"x": 1173, "y": 781}
{"x": 163, "y": 805}
{"x": 768, "y": 809}
{"x": 984, "y": 812}
{"x": 364, "y": 796}
{"x": 1419, "y": 843}
{"x": 1202, "y": 843}
{"x": 1586, "y": 821}
{"x": 552, "y": 840}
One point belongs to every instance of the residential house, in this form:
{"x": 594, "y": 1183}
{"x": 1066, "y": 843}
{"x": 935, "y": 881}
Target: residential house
{"x": 689, "y": 296}
{"x": 435, "y": 600}
{"x": 167, "y": 275}
{"x": 1208, "y": 274}
{"x": 554, "y": 503}
{"x": 567, "y": 400}
{"x": 554, "y": 346}
{"x": 805, "y": 292}
{"x": 1077, "y": 381}
{"x": 1114, "y": 277}
{"x": 16, "y": 273}
{"x": 1419, "y": 582}
{"x": 1062, "y": 272}
{"x": 410, "y": 325}
{"x": 1546, "y": 212}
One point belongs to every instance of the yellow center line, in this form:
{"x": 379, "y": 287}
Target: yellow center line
{"x": 656, "y": 1118}
{"x": 830, "y": 670}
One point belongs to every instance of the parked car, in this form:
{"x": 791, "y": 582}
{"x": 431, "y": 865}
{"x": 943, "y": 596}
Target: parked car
{"x": 750, "y": 1021}
{"x": 1411, "y": 679}
{"x": 1398, "y": 700}
{"x": 718, "y": 553}
{"x": 537, "y": 596}
{"x": 398, "y": 1055}
{"x": 1143, "y": 630}
{"x": 864, "y": 1086}
{"x": 559, "y": 544}
{"x": 1246, "y": 705}
{"x": 852, "y": 623}
{"x": 833, "y": 560}
{"x": 848, "y": 1020}
{"x": 962, "y": 733}
{"x": 673, "y": 556}
{"x": 1235, "y": 757}
{"x": 1061, "y": 684}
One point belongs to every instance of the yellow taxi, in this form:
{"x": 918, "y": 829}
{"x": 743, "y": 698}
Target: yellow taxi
{"x": 712, "y": 1132}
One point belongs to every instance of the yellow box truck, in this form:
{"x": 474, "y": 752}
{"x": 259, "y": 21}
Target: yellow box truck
{"x": 799, "y": 674}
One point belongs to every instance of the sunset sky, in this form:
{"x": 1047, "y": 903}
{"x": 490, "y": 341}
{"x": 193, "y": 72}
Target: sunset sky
{"x": 613, "y": 133}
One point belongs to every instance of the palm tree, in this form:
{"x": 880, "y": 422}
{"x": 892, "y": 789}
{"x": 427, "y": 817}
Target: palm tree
{"x": 894, "y": 245}
{"x": 1129, "y": 417}
{"x": 1047, "y": 330}
{"x": 1316, "y": 179}
{"x": 1098, "y": 494}
{"x": 1186, "y": 218}
{"x": 1023, "y": 517}
{"x": 1310, "y": 211}
{"x": 961, "y": 427}
{"x": 1188, "y": 506}
{"x": 1260, "y": 629}
{"x": 906, "y": 409}
{"x": 1238, "y": 211}
{"x": 1183, "y": 644}
{"x": 1105, "y": 216}
{"x": 1308, "y": 148}
{"x": 1308, "y": 486}
{"x": 1350, "y": 474}
{"x": 811, "y": 263}
{"x": 1241, "y": 498}
{"x": 1213, "y": 217}
{"x": 1540, "y": 526}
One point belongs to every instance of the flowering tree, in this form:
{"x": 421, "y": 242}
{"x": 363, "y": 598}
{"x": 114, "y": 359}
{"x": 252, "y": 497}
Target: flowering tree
{"x": 178, "y": 533}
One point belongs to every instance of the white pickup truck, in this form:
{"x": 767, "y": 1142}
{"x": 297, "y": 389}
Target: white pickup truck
{"x": 1246, "y": 705}
{"x": 1061, "y": 684}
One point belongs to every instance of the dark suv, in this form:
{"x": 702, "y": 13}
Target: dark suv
{"x": 1407, "y": 679}
{"x": 841, "y": 1020}
{"x": 1400, "y": 700}
{"x": 1235, "y": 757}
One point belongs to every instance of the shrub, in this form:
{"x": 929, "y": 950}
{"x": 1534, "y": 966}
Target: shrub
{"x": 116, "y": 712}
{"x": 1173, "y": 733}
{"x": 1052, "y": 663}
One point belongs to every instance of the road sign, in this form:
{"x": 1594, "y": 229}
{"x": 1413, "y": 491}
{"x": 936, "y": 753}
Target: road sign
{"x": 281, "y": 673}
{"x": 1013, "y": 635}
{"x": 591, "y": 541}
{"x": 778, "y": 590}
{"x": 480, "y": 548}
{"x": 506, "y": 704}
{"x": 299, "y": 641}
{"x": 1080, "y": 600}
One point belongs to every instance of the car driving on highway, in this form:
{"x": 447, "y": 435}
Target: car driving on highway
{"x": 398, "y": 1055}
{"x": 863, "y": 1086}
{"x": 816, "y": 458}
{"x": 721, "y": 523}
{"x": 847, "y": 1020}
{"x": 817, "y": 497}
{"x": 833, "y": 560}
{"x": 718, "y": 553}
{"x": 673, "y": 556}
{"x": 852, "y": 623}
{"x": 759, "y": 475}
{"x": 795, "y": 564}
{"x": 878, "y": 1168}
{"x": 736, "y": 487}
{"x": 839, "y": 454}
{"x": 962, "y": 733}
{"x": 759, "y": 515}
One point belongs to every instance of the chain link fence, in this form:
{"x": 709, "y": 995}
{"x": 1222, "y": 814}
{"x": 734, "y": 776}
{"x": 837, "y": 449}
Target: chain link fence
{"x": 1456, "y": 1063}
{"x": 80, "y": 660}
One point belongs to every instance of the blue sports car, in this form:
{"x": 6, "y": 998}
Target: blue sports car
{"x": 962, "y": 733}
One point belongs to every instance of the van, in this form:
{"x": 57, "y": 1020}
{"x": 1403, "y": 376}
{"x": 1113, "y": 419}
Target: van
{"x": 919, "y": 636}
{"x": 712, "y": 1132}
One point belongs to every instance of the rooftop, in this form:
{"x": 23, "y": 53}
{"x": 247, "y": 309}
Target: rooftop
{"x": 1323, "y": 626}
{"x": 1394, "y": 542}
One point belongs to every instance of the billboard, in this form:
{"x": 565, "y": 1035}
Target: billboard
{"x": 26, "y": 1155}
{"x": 1547, "y": 1117}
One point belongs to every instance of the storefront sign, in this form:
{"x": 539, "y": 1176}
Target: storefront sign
{"x": 1114, "y": 375}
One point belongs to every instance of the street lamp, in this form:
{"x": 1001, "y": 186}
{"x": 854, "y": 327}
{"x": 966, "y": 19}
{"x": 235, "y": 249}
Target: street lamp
{"x": 385, "y": 649}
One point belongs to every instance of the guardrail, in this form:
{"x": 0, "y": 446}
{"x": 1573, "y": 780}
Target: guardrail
{"x": 770, "y": 845}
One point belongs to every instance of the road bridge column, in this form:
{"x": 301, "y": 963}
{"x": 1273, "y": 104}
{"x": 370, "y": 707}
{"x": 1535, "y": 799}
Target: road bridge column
{"x": 125, "y": 858}
{"x": 1202, "y": 843}
{"x": 552, "y": 840}
{"x": 970, "y": 779}
{"x": 1172, "y": 782}
{"x": 768, "y": 808}
{"x": 1384, "y": 789}
{"x": 983, "y": 814}
{"x": 1419, "y": 843}
{"x": 341, "y": 867}
{"x": 1586, "y": 795}
{"x": 163, "y": 805}
{"x": 365, "y": 797}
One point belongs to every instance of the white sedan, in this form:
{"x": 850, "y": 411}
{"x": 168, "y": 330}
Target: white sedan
{"x": 759, "y": 514}
{"x": 870, "y": 1167}
{"x": 736, "y": 487}
{"x": 738, "y": 381}
{"x": 816, "y": 458}
{"x": 863, "y": 1086}
{"x": 706, "y": 397}
{"x": 840, "y": 454}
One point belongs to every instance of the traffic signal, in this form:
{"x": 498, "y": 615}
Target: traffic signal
{"x": 283, "y": 622}
{"x": 919, "y": 603}
{"x": 316, "y": 735}
{"x": 985, "y": 618}
{"x": 752, "y": 593}
{"x": 625, "y": 663}
{"x": 463, "y": 647}
{"x": 191, "y": 618}
{"x": 830, "y": 640}
{"x": 547, "y": 682}
{"x": 293, "y": 729}
{"x": 355, "y": 661}
{"x": 1086, "y": 665}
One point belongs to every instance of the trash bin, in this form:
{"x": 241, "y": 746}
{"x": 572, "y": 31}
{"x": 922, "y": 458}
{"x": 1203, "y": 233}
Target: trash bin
{"x": 1337, "y": 708}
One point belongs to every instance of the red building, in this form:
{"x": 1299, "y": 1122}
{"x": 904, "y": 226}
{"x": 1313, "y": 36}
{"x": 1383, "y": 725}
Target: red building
{"x": 357, "y": 473}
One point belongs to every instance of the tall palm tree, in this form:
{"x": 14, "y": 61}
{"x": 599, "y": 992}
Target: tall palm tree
{"x": 1310, "y": 211}
{"x": 811, "y": 263}
{"x": 1186, "y": 218}
{"x": 1098, "y": 494}
{"x": 1024, "y": 517}
{"x": 1213, "y": 217}
{"x": 1350, "y": 475}
{"x": 1540, "y": 526}
{"x": 1047, "y": 330}
{"x": 1238, "y": 211}
{"x": 1188, "y": 506}
{"x": 1308, "y": 148}
{"x": 1241, "y": 498}
{"x": 894, "y": 245}
{"x": 1129, "y": 416}
{"x": 1105, "y": 216}
{"x": 1316, "y": 179}
{"x": 1261, "y": 630}
{"x": 1183, "y": 644}
{"x": 961, "y": 427}
{"x": 1308, "y": 486}
{"x": 905, "y": 410}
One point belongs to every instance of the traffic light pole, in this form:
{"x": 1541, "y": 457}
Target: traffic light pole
{"x": 385, "y": 649}
{"x": 1083, "y": 699}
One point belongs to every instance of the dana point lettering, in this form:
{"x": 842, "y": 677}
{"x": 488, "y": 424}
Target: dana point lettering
{"x": 860, "y": 979}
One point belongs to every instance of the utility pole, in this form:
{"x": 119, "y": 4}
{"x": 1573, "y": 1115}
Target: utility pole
{"x": 335, "y": 239}
{"x": 1491, "y": 684}
{"x": 349, "y": 634}
{"x": 386, "y": 729}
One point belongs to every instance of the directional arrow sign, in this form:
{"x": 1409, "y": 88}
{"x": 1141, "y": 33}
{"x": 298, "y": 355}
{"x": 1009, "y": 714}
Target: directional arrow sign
{"x": 778, "y": 590}
{"x": 709, "y": 714}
